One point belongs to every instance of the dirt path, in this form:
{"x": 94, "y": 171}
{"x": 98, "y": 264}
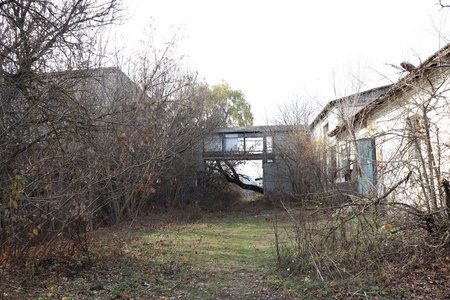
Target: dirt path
{"x": 229, "y": 258}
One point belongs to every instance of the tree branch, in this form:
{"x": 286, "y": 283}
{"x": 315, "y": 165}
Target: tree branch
{"x": 234, "y": 178}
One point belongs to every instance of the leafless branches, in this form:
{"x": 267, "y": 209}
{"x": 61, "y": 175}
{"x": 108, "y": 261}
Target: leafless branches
{"x": 443, "y": 4}
{"x": 228, "y": 170}
{"x": 81, "y": 145}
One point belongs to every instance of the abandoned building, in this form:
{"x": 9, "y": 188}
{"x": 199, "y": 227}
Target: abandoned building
{"x": 393, "y": 140}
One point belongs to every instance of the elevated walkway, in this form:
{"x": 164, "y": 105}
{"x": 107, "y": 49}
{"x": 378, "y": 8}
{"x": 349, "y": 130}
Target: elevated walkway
{"x": 266, "y": 143}
{"x": 243, "y": 143}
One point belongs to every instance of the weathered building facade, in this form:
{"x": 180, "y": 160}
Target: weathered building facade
{"x": 338, "y": 155}
{"x": 397, "y": 146}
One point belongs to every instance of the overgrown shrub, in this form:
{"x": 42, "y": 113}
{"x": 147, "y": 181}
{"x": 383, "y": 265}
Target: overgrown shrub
{"x": 353, "y": 242}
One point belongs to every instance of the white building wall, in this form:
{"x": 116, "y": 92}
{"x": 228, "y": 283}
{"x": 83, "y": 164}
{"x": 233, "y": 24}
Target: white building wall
{"x": 396, "y": 154}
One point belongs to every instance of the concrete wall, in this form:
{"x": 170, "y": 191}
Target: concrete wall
{"x": 276, "y": 173}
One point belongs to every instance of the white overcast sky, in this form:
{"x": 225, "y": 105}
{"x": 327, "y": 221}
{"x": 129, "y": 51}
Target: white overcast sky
{"x": 278, "y": 51}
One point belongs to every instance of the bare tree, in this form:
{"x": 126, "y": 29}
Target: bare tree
{"x": 45, "y": 126}
{"x": 297, "y": 150}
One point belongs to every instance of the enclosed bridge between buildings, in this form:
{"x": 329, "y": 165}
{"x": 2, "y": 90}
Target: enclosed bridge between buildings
{"x": 264, "y": 143}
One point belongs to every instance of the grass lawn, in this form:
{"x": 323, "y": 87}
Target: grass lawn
{"x": 231, "y": 255}
{"x": 220, "y": 256}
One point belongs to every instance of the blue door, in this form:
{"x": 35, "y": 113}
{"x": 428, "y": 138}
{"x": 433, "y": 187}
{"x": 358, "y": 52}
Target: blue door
{"x": 367, "y": 162}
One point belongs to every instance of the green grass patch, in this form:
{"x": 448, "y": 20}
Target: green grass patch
{"x": 207, "y": 259}
{"x": 216, "y": 257}
{"x": 219, "y": 256}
